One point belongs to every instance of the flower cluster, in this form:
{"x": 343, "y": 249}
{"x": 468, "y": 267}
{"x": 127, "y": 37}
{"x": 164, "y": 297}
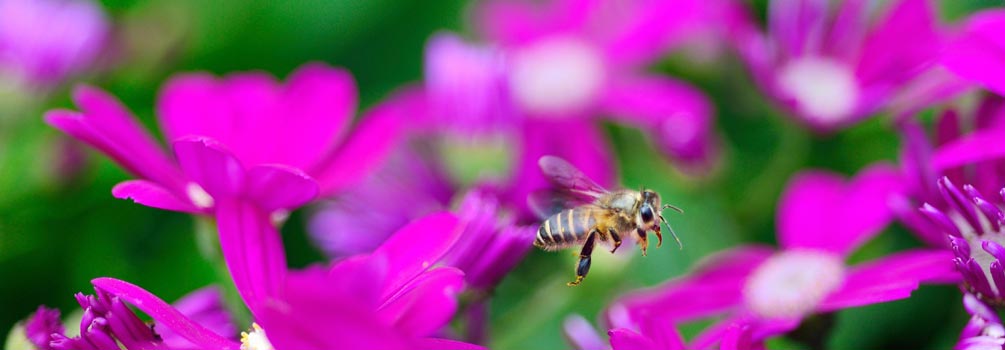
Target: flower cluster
{"x": 416, "y": 247}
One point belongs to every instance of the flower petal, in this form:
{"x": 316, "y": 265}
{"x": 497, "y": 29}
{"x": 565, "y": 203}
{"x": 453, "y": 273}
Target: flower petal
{"x": 625, "y": 339}
{"x": 819, "y": 211}
{"x": 715, "y": 286}
{"x": 427, "y": 304}
{"x": 152, "y": 194}
{"x": 581, "y": 334}
{"x": 164, "y": 314}
{"x": 311, "y": 322}
{"x": 211, "y": 165}
{"x": 319, "y": 102}
{"x": 364, "y": 151}
{"x": 675, "y": 115}
{"x": 509, "y": 22}
{"x": 205, "y": 307}
{"x": 977, "y": 147}
{"x": 905, "y": 43}
{"x": 892, "y": 277}
{"x": 273, "y": 187}
{"x": 253, "y": 251}
{"x": 979, "y": 52}
{"x": 446, "y": 344}
{"x": 650, "y": 28}
{"x": 797, "y": 25}
{"x": 415, "y": 248}
{"x": 106, "y": 125}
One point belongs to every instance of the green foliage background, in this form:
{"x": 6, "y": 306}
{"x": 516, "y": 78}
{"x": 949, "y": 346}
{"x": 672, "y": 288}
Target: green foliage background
{"x": 57, "y": 233}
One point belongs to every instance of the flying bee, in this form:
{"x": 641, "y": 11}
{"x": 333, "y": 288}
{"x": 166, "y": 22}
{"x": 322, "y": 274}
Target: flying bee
{"x": 584, "y": 213}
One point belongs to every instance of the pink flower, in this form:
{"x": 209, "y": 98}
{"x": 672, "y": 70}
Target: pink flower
{"x": 963, "y": 147}
{"x": 398, "y": 297}
{"x": 43, "y": 41}
{"x": 831, "y": 67}
{"x": 244, "y": 136}
{"x": 548, "y": 73}
{"x": 821, "y": 220}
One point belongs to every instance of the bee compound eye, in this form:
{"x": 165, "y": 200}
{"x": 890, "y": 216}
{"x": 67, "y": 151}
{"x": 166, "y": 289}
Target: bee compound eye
{"x": 647, "y": 213}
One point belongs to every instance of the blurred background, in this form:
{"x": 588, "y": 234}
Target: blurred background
{"x": 60, "y": 227}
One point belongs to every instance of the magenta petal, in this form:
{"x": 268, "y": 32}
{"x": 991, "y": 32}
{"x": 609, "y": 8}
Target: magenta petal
{"x": 211, "y": 165}
{"x": 192, "y": 105}
{"x": 415, "y": 248}
{"x": 153, "y": 195}
{"x": 892, "y": 277}
{"x": 797, "y": 25}
{"x": 446, "y": 344}
{"x": 975, "y": 148}
{"x": 675, "y": 115}
{"x": 427, "y": 305}
{"x": 205, "y": 307}
{"x": 624, "y": 339}
{"x": 253, "y": 251}
{"x": 273, "y": 187}
{"x": 319, "y": 104}
{"x": 715, "y": 286}
{"x": 106, "y": 125}
{"x": 652, "y": 28}
{"x": 819, "y": 211}
{"x": 979, "y": 54}
{"x": 164, "y": 314}
{"x": 312, "y": 320}
{"x": 581, "y": 334}
{"x": 370, "y": 144}
{"x": 509, "y": 22}
{"x": 905, "y": 42}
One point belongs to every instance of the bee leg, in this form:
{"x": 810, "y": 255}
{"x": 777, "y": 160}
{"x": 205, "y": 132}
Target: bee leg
{"x": 616, "y": 239}
{"x": 584, "y": 260}
{"x": 643, "y": 240}
{"x": 659, "y": 236}
{"x": 674, "y": 234}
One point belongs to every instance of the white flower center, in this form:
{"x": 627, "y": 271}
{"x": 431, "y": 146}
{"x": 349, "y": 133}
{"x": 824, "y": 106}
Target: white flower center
{"x": 557, "y": 75}
{"x": 792, "y": 283}
{"x": 198, "y": 196}
{"x": 824, "y": 89}
{"x": 255, "y": 339}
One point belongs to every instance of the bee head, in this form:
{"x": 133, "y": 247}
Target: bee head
{"x": 650, "y": 203}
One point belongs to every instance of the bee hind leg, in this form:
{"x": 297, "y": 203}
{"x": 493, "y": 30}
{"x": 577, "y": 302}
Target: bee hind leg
{"x": 584, "y": 260}
{"x": 616, "y": 239}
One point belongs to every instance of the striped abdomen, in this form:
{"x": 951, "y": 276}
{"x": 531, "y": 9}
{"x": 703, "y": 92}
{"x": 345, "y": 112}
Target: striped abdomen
{"x": 566, "y": 228}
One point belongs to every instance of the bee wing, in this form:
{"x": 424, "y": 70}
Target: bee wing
{"x": 567, "y": 177}
{"x": 547, "y": 202}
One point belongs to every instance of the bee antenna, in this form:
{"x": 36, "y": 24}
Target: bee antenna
{"x": 679, "y": 210}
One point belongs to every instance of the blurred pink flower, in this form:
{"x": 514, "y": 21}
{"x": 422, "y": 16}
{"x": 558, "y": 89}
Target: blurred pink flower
{"x": 244, "y": 136}
{"x": 831, "y": 66}
{"x": 821, "y": 220}
{"x": 549, "y": 72}
{"x": 44, "y": 41}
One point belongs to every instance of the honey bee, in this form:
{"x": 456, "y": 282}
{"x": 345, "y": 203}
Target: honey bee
{"x": 587, "y": 213}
